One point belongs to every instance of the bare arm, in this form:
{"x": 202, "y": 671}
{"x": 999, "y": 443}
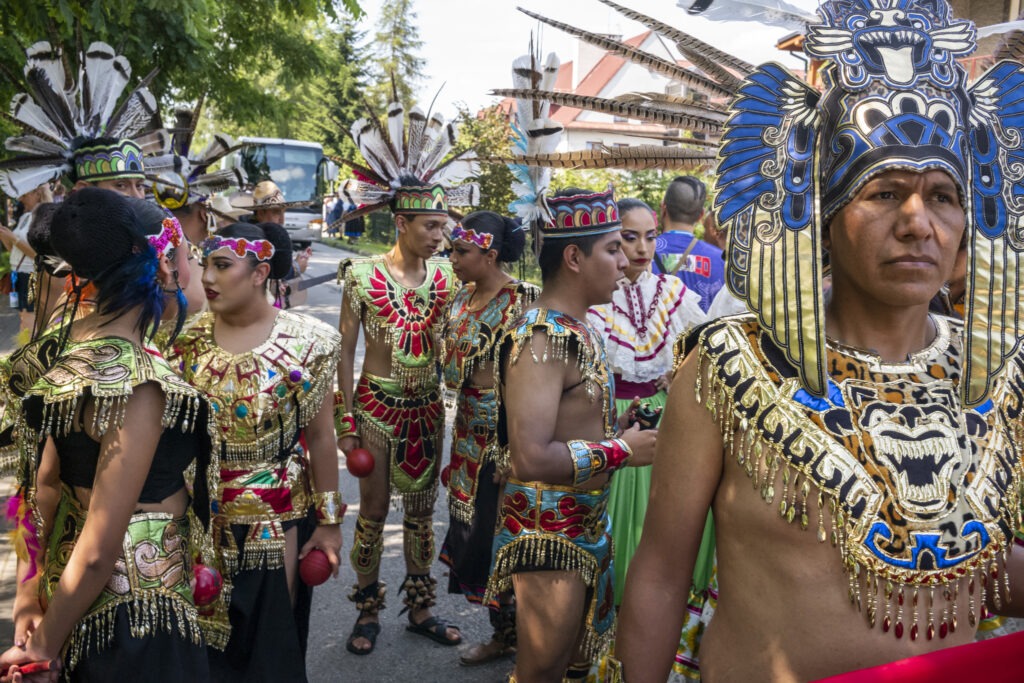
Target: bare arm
{"x": 532, "y": 393}
{"x": 348, "y": 326}
{"x": 6, "y": 237}
{"x": 124, "y": 461}
{"x": 323, "y": 460}
{"x": 687, "y": 471}
{"x": 10, "y": 240}
{"x": 532, "y": 396}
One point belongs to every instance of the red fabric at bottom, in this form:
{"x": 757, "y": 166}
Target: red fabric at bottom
{"x": 998, "y": 660}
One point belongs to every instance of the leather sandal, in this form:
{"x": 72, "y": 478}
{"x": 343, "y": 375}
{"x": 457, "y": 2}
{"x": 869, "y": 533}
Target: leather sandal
{"x": 436, "y": 629}
{"x": 369, "y": 631}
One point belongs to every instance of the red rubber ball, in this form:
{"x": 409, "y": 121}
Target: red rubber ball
{"x": 208, "y": 584}
{"x": 315, "y": 568}
{"x": 359, "y": 462}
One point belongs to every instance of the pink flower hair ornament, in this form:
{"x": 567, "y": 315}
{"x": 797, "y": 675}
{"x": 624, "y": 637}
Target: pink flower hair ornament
{"x": 263, "y": 250}
{"x": 480, "y": 239}
{"x": 170, "y": 236}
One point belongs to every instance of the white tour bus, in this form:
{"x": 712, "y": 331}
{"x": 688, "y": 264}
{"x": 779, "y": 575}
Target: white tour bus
{"x": 299, "y": 169}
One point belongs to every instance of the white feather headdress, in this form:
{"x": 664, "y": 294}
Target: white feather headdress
{"x": 59, "y": 115}
{"x": 406, "y": 149}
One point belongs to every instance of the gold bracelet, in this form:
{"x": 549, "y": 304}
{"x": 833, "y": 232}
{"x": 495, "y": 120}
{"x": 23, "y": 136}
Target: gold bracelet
{"x": 329, "y": 508}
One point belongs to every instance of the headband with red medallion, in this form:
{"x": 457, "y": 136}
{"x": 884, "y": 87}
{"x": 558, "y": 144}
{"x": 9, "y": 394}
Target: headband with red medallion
{"x": 581, "y": 215}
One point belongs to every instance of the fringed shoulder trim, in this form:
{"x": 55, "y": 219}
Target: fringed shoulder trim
{"x": 107, "y": 370}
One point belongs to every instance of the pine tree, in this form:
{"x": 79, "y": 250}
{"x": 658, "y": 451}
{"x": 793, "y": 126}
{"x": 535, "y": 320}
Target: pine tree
{"x": 398, "y": 68}
{"x": 336, "y": 98}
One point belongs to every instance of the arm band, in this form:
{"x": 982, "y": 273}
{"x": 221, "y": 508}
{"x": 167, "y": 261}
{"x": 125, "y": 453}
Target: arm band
{"x": 344, "y": 422}
{"x": 590, "y": 458}
{"x": 329, "y": 508}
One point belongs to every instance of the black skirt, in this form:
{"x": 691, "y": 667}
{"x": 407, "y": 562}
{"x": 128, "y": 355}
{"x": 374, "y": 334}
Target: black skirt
{"x": 467, "y": 548}
{"x": 159, "y": 657}
{"x": 268, "y": 634}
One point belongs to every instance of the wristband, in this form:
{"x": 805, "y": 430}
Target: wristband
{"x": 344, "y": 422}
{"x": 329, "y": 508}
{"x": 590, "y": 458}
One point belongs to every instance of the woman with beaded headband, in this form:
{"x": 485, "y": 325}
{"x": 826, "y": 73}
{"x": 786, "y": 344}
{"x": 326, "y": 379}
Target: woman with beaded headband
{"x": 646, "y": 314}
{"x": 883, "y": 438}
{"x": 477, "y": 317}
{"x": 122, "y": 539}
{"x": 38, "y": 475}
{"x": 269, "y": 375}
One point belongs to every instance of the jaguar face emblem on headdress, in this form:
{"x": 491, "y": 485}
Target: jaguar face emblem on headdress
{"x": 899, "y": 42}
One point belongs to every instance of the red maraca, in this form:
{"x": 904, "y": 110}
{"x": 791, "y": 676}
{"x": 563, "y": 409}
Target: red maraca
{"x": 359, "y": 462}
{"x": 315, "y": 568}
{"x": 208, "y": 584}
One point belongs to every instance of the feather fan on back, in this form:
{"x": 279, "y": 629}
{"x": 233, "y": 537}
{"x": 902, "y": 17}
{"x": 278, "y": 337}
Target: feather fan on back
{"x": 533, "y": 133}
{"x": 58, "y": 115}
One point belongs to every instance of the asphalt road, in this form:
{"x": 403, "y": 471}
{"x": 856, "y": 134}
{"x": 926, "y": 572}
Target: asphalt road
{"x": 400, "y": 656}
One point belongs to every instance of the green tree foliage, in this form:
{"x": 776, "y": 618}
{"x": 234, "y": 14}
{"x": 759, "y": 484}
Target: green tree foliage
{"x": 247, "y": 56}
{"x": 648, "y": 186}
{"x": 396, "y": 65}
{"x": 487, "y": 133}
{"x": 335, "y": 99}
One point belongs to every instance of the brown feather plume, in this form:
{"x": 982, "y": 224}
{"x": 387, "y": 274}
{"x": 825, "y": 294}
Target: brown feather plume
{"x": 1011, "y": 45}
{"x": 677, "y": 137}
{"x": 644, "y": 59}
{"x": 637, "y": 158}
{"x": 615, "y": 107}
{"x": 693, "y": 48}
{"x": 718, "y": 112}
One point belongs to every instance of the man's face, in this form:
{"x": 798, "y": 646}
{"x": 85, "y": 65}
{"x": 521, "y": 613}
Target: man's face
{"x": 270, "y": 215}
{"x": 602, "y": 269}
{"x": 422, "y": 233}
{"x": 129, "y": 187}
{"x": 896, "y": 242}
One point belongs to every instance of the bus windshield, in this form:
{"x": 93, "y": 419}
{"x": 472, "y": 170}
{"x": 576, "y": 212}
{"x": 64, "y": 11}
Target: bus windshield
{"x": 292, "y": 167}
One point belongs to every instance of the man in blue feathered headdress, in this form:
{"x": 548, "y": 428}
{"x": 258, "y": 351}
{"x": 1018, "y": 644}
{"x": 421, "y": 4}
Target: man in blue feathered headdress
{"x": 883, "y": 436}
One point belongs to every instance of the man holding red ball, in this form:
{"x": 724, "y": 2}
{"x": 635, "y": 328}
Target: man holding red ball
{"x": 391, "y": 426}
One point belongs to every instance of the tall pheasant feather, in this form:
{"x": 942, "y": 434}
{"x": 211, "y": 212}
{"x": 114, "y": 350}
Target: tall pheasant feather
{"x": 654, "y": 63}
{"x": 635, "y": 158}
{"x": 712, "y": 122}
{"x": 710, "y": 59}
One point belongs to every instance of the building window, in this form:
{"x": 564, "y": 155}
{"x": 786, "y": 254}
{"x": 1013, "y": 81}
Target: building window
{"x": 592, "y": 145}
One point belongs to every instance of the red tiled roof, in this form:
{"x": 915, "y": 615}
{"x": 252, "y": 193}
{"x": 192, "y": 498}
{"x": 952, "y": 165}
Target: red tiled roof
{"x": 594, "y": 82}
